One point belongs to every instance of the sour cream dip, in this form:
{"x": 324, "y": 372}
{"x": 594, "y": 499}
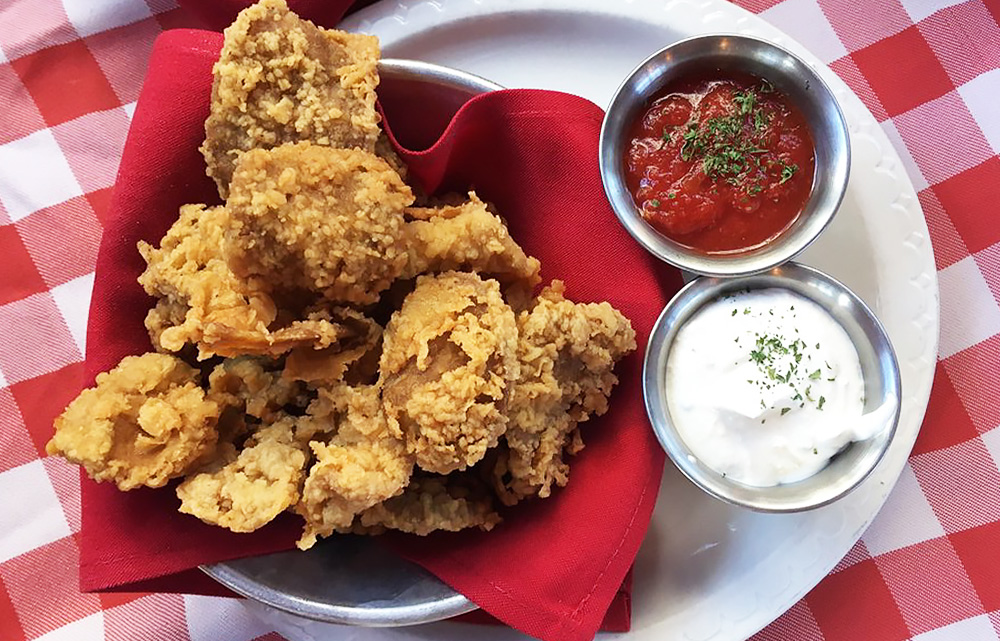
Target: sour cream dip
{"x": 764, "y": 387}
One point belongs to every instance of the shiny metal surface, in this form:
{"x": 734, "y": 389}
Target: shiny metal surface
{"x": 343, "y": 579}
{"x": 787, "y": 73}
{"x": 878, "y": 365}
{"x": 351, "y": 579}
{"x": 443, "y": 88}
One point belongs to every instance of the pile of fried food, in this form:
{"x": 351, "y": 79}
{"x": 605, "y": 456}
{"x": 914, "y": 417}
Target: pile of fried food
{"x": 326, "y": 345}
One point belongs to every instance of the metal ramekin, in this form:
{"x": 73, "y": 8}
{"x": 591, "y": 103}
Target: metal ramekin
{"x": 786, "y": 72}
{"x": 878, "y": 366}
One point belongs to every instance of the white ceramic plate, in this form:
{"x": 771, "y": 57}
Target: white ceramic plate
{"x": 706, "y": 570}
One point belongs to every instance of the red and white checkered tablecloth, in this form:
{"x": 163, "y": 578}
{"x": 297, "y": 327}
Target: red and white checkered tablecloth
{"x": 928, "y": 569}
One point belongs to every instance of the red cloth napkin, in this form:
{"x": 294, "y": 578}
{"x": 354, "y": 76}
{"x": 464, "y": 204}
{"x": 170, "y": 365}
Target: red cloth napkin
{"x": 554, "y": 567}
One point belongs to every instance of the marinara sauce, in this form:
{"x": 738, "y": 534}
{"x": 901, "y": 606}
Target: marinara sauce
{"x": 720, "y": 164}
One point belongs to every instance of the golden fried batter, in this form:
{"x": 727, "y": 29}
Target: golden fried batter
{"x": 567, "y": 352}
{"x": 145, "y": 422}
{"x": 196, "y": 288}
{"x": 245, "y": 491}
{"x": 362, "y": 465}
{"x": 320, "y": 219}
{"x": 431, "y": 503}
{"x": 447, "y": 365}
{"x": 283, "y": 79}
{"x": 318, "y": 331}
{"x": 467, "y": 236}
{"x": 330, "y": 364}
{"x": 252, "y": 385}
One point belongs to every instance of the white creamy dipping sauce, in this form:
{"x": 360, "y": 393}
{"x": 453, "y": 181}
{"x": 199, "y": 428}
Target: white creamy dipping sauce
{"x": 765, "y": 387}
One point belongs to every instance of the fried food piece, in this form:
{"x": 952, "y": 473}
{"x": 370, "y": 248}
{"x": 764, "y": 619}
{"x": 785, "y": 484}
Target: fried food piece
{"x": 362, "y": 465}
{"x": 145, "y": 422}
{"x": 331, "y": 330}
{"x": 254, "y": 386}
{"x": 567, "y": 352}
{"x": 430, "y": 503}
{"x": 197, "y": 289}
{"x": 320, "y": 219}
{"x": 202, "y": 302}
{"x": 448, "y": 362}
{"x": 327, "y": 365}
{"x": 282, "y": 79}
{"x": 467, "y": 236}
{"x": 245, "y": 491}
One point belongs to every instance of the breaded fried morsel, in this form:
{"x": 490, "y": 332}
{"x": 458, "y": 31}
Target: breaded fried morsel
{"x": 196, "y": 287}
{"x": 333, "y": 328}
{"x": 334, "y": 363}
{"x": 202, "y": 302}
{"x": 320, "y": 219}
{"x": 145, "y": 422}
{"x": 283, "y": 79}
{"x": 362, "y": 465}
{"x": 567, "y": 352}
{"x": 448, "y": 361}
{"x": 245, "y": 491}
{"x": 467, "y": 236}
{"x": 252, "y": 385}
{"x": 430, "y": 503}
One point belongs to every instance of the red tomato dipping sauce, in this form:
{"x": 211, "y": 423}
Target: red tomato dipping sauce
{"x": 720, "y": 164}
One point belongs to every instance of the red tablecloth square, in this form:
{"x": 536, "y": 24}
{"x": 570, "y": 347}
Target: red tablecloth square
{"x": 50, "y": 75}
{"x": 977, "y": 549}
{"x": 849, "y": 72}
{"x": 903, "y": 71}
{"x": 946, "y": 406}
{"x": 857, "y": 596}
{"x": 10, "y": 626}
{"x": 20, "y": 275}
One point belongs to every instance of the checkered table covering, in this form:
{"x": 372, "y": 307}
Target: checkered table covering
{"x": 928, "y": 569}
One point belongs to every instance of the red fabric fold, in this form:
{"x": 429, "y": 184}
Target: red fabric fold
{"x": 555, "y": 567}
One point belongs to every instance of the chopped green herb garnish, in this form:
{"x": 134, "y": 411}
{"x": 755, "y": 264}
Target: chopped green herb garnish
{"x": 787, "y": 172}
{"x": 654, "y": 202}
{"x": 815, "y": 375}
{"x": 785, "y": 410}
{"x": 728, "y": 145}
